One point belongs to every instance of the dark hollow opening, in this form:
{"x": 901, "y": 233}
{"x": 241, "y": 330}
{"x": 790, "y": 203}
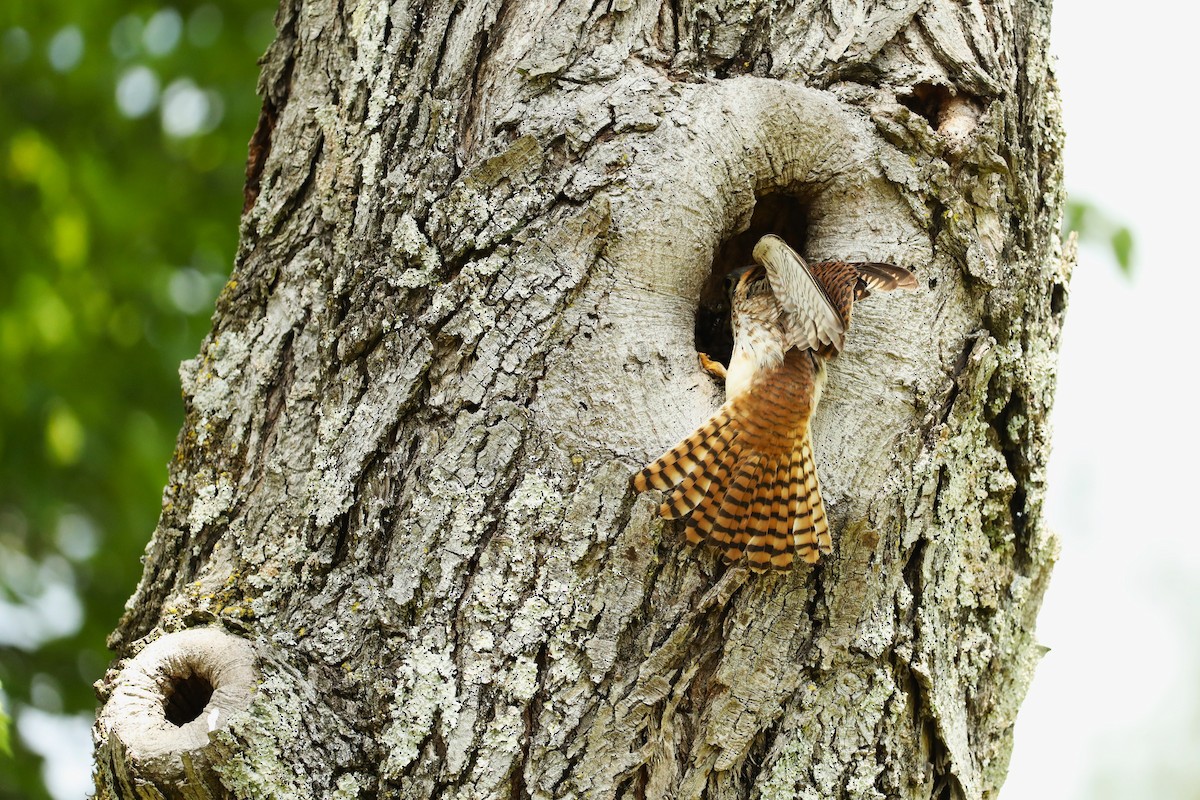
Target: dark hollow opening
{"x": 928, "y": 100}
{"x": 785, "y": 216}
{"x": 186, "y": 699}
{"x": 1058, "y": 299}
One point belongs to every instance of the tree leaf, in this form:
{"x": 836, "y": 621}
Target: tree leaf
{"x": 5, "y": 722}
{"x": 1122, "y": 245}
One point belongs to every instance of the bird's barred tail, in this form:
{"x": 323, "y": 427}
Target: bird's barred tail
{"x": 689, "y": 469}
{"x": 810, "y": 526}
{"x": 771, "y": 512}
{"x": 764, "y": 506}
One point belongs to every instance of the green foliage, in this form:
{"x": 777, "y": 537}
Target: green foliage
{"x": 123, "y": 131}
{"x": 1093, "y": 225}
{"x": 5, "y": 722}
{"x": 1122, "y": 246}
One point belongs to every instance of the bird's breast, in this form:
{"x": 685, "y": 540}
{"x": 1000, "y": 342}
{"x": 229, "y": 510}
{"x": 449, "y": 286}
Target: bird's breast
{"x": 754, "y": 350}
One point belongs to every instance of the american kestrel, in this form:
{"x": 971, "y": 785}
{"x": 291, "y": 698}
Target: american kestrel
{"x": 747, "y": 475}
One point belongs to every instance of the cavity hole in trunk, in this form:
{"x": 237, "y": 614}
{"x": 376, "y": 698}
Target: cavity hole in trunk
{"x": 784, "y": 215}
{"x": 928, "y": 100}
{"x": 187, "y": 698}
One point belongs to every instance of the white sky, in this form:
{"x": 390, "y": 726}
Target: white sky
{"x": 1114, "y": 711}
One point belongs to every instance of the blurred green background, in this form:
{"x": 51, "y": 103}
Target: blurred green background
{"x": 123, "y": 133}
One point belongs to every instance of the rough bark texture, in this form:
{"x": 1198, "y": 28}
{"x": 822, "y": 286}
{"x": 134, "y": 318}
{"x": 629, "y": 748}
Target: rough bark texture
{"x": 463, "y": 313}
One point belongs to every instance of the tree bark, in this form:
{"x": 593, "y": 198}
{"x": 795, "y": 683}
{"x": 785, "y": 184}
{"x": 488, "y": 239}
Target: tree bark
{"x": 478, "y": 257}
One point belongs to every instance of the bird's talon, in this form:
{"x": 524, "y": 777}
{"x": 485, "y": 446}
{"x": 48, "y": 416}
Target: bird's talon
{"x": 712, "y": 366}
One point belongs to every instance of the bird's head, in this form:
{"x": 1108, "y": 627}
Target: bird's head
{"x": 741, "y": 281}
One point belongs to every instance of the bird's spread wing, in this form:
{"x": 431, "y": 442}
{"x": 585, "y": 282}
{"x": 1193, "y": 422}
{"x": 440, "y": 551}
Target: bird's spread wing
{"x": 810, "y": 318}
{"x": 874, "y": 276}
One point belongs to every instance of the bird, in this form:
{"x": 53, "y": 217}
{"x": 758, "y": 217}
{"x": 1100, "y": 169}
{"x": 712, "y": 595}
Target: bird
{"x": 747, "y": 476}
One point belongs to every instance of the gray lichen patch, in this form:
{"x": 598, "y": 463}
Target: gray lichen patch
{"x": 211, "y": 501}
{"x": 425, "y": 696}
{"x": 259, "y": 757}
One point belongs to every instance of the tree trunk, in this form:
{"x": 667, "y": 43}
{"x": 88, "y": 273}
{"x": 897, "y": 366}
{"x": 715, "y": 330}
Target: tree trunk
{"x": 482, "y": 245}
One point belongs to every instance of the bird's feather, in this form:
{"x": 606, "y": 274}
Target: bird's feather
{"x": 741, "y": 475}
{"x": 747, "y": 476}
{"x": 875, "y": 276}
{"x": 811, "y": 319}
